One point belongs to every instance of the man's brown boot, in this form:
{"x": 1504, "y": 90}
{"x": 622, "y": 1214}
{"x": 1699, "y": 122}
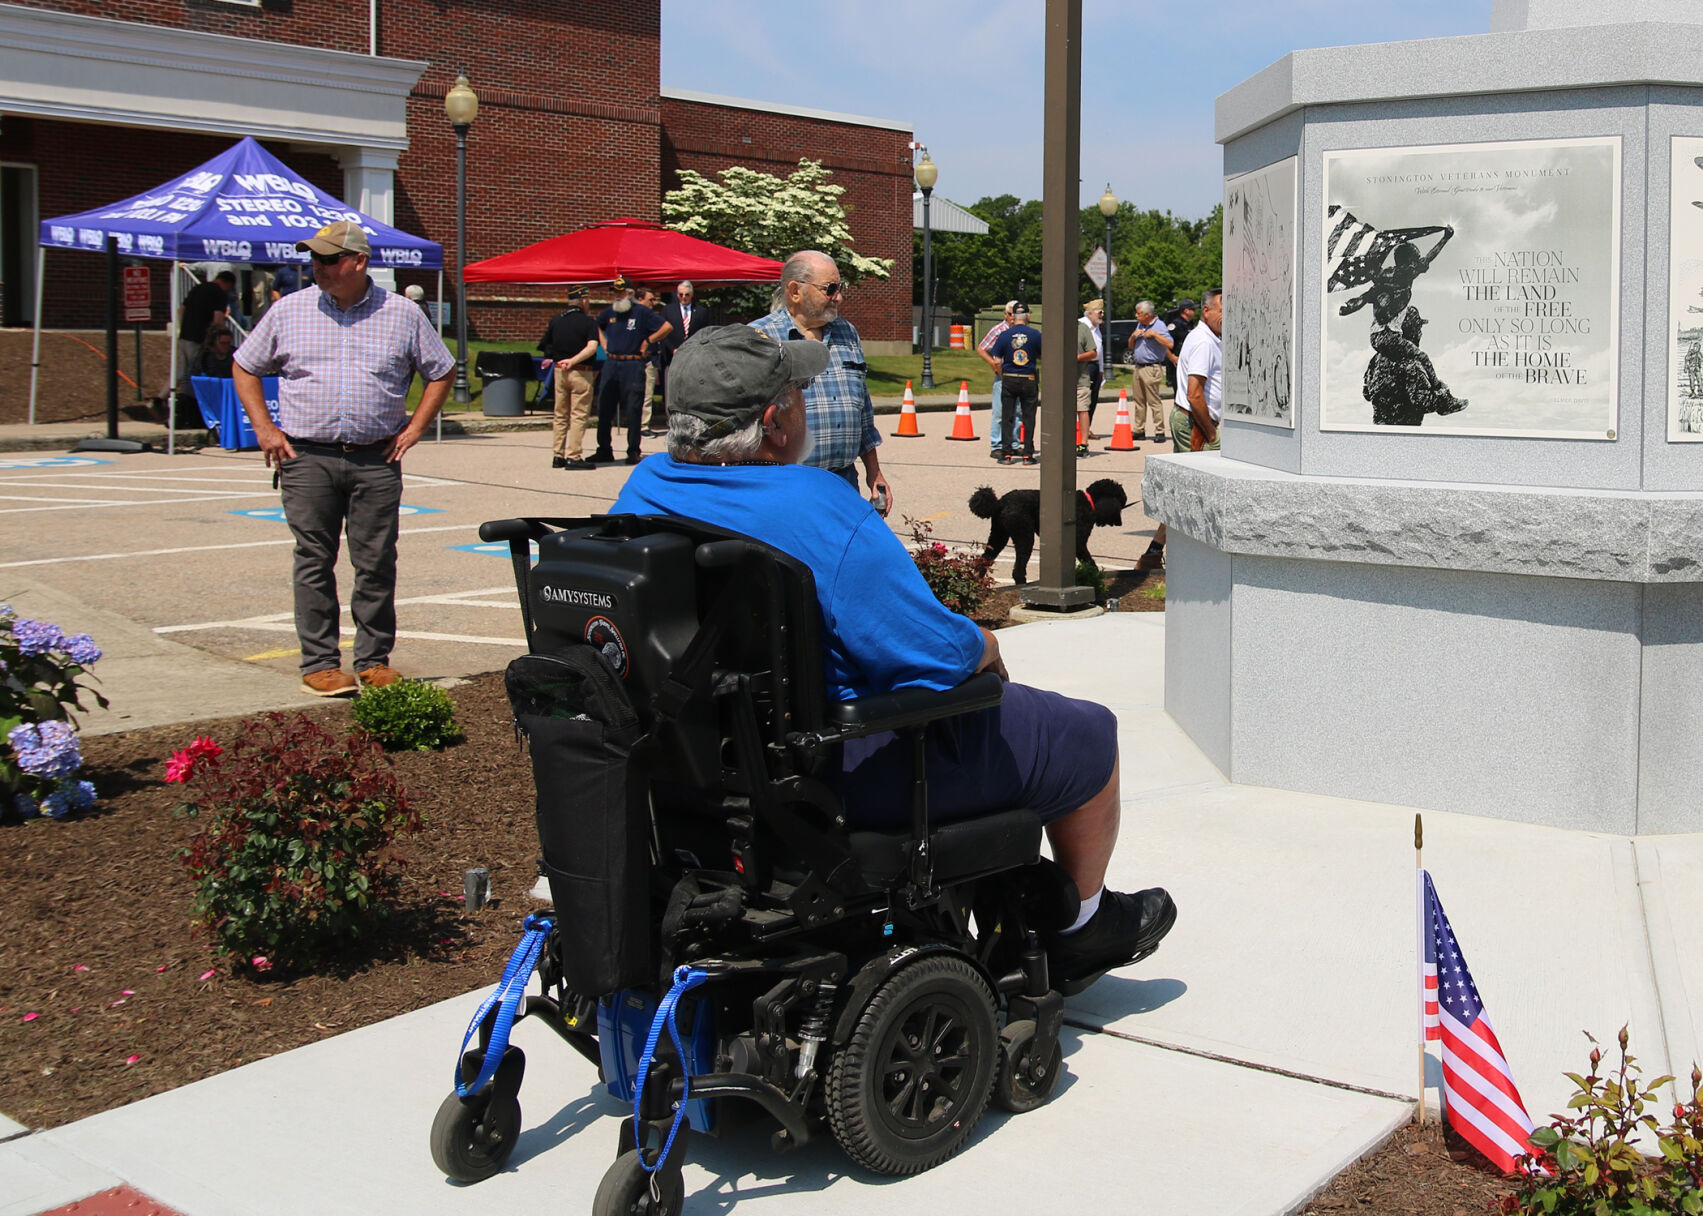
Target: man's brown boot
{"x": 378, "y": 675}
{"x": 331, "y": 682}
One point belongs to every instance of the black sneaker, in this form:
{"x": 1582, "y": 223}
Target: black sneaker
{"x": 575, "y": 463}
{"x": 558, "y": 462}
{"x": 603, "y": 456}
{"x": 1125, "y": 929}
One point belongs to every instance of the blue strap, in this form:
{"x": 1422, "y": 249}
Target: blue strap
{"x": 685, "y": 979}
{"x": 505, "y": 999}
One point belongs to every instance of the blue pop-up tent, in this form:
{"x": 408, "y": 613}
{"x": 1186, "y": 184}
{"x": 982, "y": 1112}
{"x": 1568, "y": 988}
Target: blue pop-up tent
{"x": 245, "y": 206}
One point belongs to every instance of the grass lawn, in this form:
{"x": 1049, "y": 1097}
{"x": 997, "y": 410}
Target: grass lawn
{"x": 888, "y": 373}
{"x": 474, "y": 384}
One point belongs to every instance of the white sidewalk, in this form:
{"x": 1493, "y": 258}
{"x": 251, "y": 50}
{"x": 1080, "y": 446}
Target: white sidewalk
{"x": 1236, "y": 1071}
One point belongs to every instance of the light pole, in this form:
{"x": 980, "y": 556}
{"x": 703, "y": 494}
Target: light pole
{"x": 461, "y": 104}
{"x": 1108, "y": 208}
{"x": 927, "y": 175}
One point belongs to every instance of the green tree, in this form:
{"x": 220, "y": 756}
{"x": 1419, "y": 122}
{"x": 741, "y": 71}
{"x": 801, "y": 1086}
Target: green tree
{"x": 771, "y": 217}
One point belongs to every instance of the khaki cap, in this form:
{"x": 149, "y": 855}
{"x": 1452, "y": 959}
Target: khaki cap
{"x": 344, "y": 236}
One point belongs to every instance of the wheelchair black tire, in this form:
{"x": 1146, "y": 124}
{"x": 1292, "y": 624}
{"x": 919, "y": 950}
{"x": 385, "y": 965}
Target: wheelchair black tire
{"x": 457, "y": 1147}
{"x": 625, "y": 1190}
{"x": 1013, "y": 1089}
{"x": 874, "y": 1089}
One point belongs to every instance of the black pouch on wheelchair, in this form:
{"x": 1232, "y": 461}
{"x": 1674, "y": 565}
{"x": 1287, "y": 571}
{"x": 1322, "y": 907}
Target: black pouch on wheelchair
{"x": 591, "y": 825}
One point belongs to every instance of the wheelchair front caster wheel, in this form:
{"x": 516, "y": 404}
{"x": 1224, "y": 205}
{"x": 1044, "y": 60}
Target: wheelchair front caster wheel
{"x": 471, "y": 1140}
{"x": 1024, "y": 1083}
{"x": 626, "y": 1190}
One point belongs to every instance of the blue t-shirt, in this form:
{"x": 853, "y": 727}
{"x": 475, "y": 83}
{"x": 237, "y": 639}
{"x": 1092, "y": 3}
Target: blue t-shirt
{"x": 883, "y": 629}
{"x": 625, "y": 332}
{"x": 1018, "y": 350}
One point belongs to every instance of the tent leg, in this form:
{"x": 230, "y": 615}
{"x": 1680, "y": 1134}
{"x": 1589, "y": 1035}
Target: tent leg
{"x": 35, "y": 355}
{"x": 171, "y": 351}
{"x": 439, "y": 439}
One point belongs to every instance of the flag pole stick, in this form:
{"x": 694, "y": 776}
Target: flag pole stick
{"x": 1419, "y": 892}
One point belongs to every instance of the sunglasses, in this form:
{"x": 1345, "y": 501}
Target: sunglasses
{"x": 830, "y": 289}
{"x": 330, "y": 259}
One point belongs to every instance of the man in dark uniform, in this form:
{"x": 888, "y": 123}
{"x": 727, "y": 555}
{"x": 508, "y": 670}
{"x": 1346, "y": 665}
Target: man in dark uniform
{"x": 1018, "y": 350}
{"x": 570, "y": 343}
{"x": 1178, "y": 323}
{"x": 628, "y": 330}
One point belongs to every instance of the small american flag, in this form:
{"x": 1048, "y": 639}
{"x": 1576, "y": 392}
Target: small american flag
{"x": 1478, "y": 1088}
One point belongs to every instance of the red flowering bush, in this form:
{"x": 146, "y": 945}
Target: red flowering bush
{"x": 962, "y": 581}
{"x": 294, "y": 860}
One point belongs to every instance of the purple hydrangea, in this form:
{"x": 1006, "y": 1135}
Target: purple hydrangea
{"x": 81, "y": 649}
{"x": 46, "y": 749}
{"x": 26, "y": 806}
{"x": 36, "y": 637}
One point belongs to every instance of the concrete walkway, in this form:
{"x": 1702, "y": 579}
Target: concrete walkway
{"x": 1269, "y": 1044}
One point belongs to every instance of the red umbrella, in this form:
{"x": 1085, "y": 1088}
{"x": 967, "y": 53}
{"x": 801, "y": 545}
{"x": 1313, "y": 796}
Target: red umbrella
{"x": 643, "y": 251}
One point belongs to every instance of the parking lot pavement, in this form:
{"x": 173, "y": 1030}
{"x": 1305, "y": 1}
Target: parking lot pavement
{"x": 194, "y": 548}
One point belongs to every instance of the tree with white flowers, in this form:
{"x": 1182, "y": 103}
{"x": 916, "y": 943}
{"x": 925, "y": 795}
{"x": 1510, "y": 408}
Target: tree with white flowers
{"x": 771, "y": 216}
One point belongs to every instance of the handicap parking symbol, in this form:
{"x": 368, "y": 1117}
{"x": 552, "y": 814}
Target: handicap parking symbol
{"x": 496, "y": 549}
{"x": 49, "y": 462}
{"x": 277, "y": 513}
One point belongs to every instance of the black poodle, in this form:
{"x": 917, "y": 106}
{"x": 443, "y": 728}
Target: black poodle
{"x": 1017, "y": 517}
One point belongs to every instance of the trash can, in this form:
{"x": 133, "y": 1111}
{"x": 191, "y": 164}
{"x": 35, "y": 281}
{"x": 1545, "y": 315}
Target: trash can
{"x": 505, "y": 375}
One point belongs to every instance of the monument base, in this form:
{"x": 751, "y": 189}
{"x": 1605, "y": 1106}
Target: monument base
{"x": 1525, "y": 654}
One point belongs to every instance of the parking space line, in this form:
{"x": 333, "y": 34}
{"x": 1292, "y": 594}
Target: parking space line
{"x": 412, "y": 635}
{"x": 271, "y": 619}
{"x": 247, "y": 544}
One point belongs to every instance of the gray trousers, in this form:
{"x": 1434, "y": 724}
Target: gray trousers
{"x": 327, "y": 492}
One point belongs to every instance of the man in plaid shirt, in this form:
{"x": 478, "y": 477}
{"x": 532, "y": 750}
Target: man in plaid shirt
{"x": 344, "y": 356}
{"x": 836, "y": 403}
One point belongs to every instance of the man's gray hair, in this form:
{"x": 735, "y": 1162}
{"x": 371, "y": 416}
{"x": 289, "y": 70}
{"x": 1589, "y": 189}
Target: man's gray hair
{"x": 796, "y": 269}
{"x": 1209, "y": 295}
{"x": 1010, "y": 307}
{"x": 684, "y": 285}
{"x": 1145, "y": 307}
{"x": 686, "y": 437}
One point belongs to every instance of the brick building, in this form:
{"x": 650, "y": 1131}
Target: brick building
{"x": 99, "y": 101}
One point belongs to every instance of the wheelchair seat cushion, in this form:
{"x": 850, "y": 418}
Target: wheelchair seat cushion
{"x": 1035, "y": 749}
{"x": 967, "y": 849}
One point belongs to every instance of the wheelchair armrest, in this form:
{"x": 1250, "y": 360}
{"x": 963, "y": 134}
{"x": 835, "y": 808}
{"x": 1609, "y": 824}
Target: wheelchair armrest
{"x": 913, "y": 706}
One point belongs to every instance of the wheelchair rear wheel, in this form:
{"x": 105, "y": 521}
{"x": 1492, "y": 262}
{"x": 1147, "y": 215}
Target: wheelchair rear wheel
{"x": 905, "y": 1091}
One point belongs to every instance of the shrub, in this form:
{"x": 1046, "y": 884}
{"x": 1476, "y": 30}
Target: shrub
{"x": 409, "y": 714}
{"x": 1090, "y": 575}
{"x": 294, "y": 860}
{"x": 961, "y": 580}
{"x": 40, "y": 684}
{"x": 1591, "y": 1161}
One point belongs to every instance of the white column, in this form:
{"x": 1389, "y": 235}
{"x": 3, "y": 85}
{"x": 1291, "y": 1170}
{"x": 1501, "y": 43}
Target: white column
{"x": 369, "y": 185}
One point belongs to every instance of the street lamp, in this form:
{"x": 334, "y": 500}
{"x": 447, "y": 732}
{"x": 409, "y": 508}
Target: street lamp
{"x": 461, "y": 104}
{"x": 927, "y": 175}
{"x": 1108, "y": 208}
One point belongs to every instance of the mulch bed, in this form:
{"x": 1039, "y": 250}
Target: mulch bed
{"x": 1417, "y": 1172}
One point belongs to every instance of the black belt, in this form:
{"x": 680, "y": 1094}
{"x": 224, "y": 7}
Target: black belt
{"x": 1150, "y": 365}
{"x": 1017, "y": 375}
{"x": 333, "y": 446}
{"x": 626, "y": 358}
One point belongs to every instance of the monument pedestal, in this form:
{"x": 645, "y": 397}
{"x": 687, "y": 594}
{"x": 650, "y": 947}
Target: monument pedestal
{"x": 1452, "y": 553}
{"x": 1528, "y": 654}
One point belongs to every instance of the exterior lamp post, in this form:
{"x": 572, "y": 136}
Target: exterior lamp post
{"x": 461, "y": 104}
{"x": 927, "y": 175}
{"x": 1108, "y": 208}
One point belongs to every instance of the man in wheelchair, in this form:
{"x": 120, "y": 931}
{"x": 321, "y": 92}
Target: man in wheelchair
{"x": 737, "y": 432}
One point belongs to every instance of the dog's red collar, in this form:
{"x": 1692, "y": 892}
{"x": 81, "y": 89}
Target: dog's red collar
{"x": 1090, "y": 499}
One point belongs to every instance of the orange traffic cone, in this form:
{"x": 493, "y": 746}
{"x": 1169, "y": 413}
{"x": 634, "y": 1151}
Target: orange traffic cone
{"x": 962, "y": 428}
{"x": 1123, "y": 434}
{"x": 908, "y": 416}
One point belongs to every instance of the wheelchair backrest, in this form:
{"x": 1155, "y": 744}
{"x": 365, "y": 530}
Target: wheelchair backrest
{"x": 640, "y": 588}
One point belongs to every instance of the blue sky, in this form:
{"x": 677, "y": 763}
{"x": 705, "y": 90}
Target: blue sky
{"x": 968, "y": 76}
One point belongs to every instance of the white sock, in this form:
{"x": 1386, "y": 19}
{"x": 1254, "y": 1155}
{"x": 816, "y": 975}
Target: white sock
{"x": 1085, "y": 913}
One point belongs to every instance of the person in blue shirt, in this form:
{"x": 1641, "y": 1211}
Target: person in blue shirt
{"x": 1018, "y": 350}
{"x": 627, "y": 330}
{"x": 738, "y": 428}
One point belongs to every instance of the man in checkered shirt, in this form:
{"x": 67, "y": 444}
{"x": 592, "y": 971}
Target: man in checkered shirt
{"x": 344, "y": 356}
{"x": 836, "y": 403}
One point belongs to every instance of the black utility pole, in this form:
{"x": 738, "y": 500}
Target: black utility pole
{"x": 111, "y": 336}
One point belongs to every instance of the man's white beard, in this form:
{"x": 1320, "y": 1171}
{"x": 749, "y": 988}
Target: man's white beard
{"x": 624, "y": 304}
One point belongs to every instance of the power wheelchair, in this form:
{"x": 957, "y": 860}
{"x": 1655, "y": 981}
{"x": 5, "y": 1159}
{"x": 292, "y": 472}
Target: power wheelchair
{"x": 718, "y": 931}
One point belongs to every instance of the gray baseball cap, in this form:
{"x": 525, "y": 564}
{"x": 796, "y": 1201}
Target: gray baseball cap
{"x": 728, "y": 374}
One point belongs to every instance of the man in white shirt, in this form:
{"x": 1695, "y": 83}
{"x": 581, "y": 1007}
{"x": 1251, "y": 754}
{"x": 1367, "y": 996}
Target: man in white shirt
{"x": 1200, "y": 375}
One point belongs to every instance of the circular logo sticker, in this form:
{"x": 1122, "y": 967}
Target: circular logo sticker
{"x": 600, "y": 631}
